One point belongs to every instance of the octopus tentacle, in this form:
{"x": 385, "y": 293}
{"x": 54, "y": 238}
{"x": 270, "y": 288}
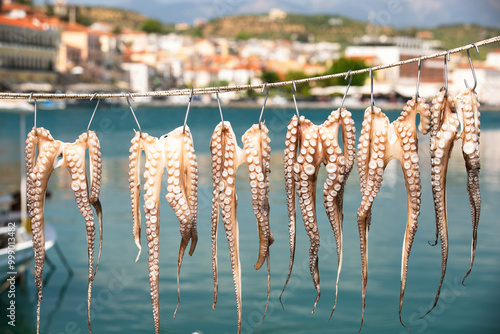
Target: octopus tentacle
{"x": 257, "y": 150}
{"x": 175, "y": 152}
{"x": 155, "y": 166}
{"x": 307, "y": 147}
{"x": 306, "y": 172}
{"x": 73, "y": 158}
{"x": 257, "y": 155}
{"x": 381, "y": 142}
{"x": 409, "y": 159}
{"x": 292, "y": 144}
{"x": 468, "y": 112}
{"x": 217, "y": 149}
{"x": 74, "y": 161}
{"x": 371, "y": 166}
{"x": 135, "y": 188}
{"x": 182, "y": 190}
{"x": 38, "y": 171}
{"x": 224, "y": 141}
{"x": 443, "y": 133}
{"x": 338, "y": 167}
{"x": 439, "y": 104}
{"x": 349, "y": 148}
{"x": 95, "y": 183}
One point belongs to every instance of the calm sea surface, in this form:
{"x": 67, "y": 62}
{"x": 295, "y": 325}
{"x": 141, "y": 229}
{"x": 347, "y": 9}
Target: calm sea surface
{"x": 121, "y": 301}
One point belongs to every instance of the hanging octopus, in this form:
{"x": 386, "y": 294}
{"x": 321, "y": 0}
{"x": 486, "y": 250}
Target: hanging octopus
{"x": 444, "y": 132}
{"x": 306, "y": 147}
{"x": 381, "y": 142}
{"x": 227, "y": 156}
{"x": 51, "y": 155}
{"x": 257, "y": 149}
{"x": 175, "y": 152}
{"x": 467, "y": 107}
{"x": 444, "y": 126}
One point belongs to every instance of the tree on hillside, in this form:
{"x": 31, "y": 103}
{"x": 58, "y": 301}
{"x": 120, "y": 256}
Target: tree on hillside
{"x": 151, "y": 26}
{"x": 303, "y": 89}
{"x": 270, "y": 76}
{"x": 25, "y": 2}
{"x": 344, "y": 65}
{"x": 243, "y": 36}
{"x": 49, "y": 8}
{"x": 83, "y": 19}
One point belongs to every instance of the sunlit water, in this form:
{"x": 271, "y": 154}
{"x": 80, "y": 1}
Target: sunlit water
{"x": 121, "y": 301}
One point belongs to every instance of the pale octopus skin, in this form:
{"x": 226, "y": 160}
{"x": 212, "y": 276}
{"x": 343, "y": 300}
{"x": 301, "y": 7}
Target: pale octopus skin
{"x": 257, "y": 150}
{"x": 444, "y": 132}
{"x": 467, "y": 107}
{"x": 444, "y": 127}
{"x": 51, "y": 155}
{"x": 227, "y": 156}
{"x": 306, "y": 147}
{"x": 379, "y": 143}
{"x": 175, "y": 152}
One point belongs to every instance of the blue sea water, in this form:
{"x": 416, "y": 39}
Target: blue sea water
{"x": 121, "y": 301}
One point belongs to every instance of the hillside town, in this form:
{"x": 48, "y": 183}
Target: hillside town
{"x": 42, "y": 53}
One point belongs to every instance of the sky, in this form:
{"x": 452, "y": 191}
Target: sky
{"x": 398, "y": 13}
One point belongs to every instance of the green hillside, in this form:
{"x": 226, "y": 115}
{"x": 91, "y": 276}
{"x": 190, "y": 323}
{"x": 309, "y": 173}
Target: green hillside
{"x": 317, "y": 28}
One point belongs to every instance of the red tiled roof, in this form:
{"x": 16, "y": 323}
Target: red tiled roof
{"x": 75, "y": 27}
{"x": 13, "y": 6}
{"x": 21, "y": 23}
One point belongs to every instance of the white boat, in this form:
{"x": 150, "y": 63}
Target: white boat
{"x": 52, "y": 105}
{"x": 16, "y": 245}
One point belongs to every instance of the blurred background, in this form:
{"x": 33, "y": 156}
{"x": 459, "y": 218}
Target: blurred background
{"x": 137, "y": 46}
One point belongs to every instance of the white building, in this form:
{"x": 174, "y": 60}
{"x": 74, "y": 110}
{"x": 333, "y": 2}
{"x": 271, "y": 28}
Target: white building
{"x": 488, "y": 82}
{"x": 401, "y": 79}
{"x": 138, "y": 76}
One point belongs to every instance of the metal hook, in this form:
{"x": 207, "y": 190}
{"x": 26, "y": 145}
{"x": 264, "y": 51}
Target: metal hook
{"x": 187, "y": 111}
{"x": 472, "y": 68}
{"x": 418, "y": 76}
{"x": 348, "y": 86}
{"x": 264, "y": 106}
{"x": 132, "y": 110}
{"x": 35, "y": 111}
{"x": 446, "y": 60}
{"x": 372, "y": 103}
{"x": 220, "y": 108}
{"x": 95, "y": 109}
{"x": 294, "y": 88}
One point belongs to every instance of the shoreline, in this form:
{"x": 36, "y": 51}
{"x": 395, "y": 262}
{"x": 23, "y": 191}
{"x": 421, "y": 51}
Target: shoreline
{"x": 290, "y": 105}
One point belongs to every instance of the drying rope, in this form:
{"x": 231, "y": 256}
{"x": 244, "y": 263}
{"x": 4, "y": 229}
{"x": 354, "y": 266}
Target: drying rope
{"x": 225, "y": 89}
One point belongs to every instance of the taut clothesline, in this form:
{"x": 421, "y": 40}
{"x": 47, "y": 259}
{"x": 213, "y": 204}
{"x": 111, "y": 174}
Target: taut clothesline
{"x": 224, "y": 89}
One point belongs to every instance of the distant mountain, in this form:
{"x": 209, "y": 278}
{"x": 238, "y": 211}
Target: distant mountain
{"x": 122, "y": 18}
{"x": 301, "y": 27}
{"x": 397, "y": 13}
{"x": 338, "y": 29}
{"x": 331, "y": 28}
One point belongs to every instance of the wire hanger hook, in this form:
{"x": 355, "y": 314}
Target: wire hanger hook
{"x": 472, "y": 68}
{"x": 133, "y": 113}
{"x": 220, "y": 108}
{"x": 35, "y": 112}
{"x": 187, "y": 111}
{"x": 372, "y": 103}
{"x": 294, "y": 88}
{"x": 348, "y": 86}
{"x": 446, "y": 60}
{"x": 263, "y": 106}
{"x": 95, "y": 109}
{"x": 418, "y": 76}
